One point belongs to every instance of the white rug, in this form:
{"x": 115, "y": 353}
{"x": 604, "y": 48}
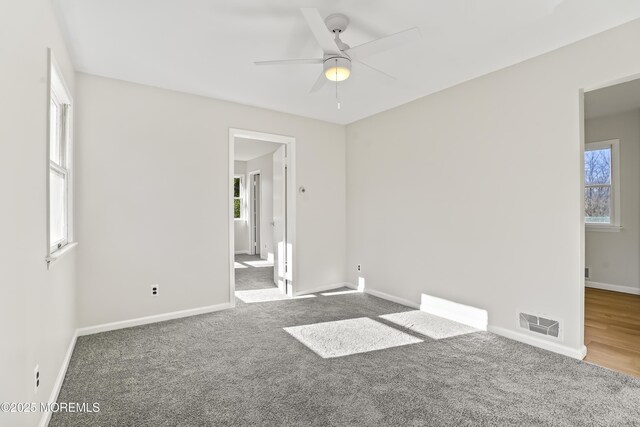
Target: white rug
{"x": 351, "y": 336}
{"x": 427, "y": 324}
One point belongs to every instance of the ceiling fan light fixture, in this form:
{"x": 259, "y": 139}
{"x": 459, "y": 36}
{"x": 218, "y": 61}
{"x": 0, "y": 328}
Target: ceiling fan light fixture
{"x": 337, "y": 69}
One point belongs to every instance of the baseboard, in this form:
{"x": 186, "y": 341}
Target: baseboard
{"x": 378, "y": 294}
{"x": 57, "y": 385}
{"x": 389, "y": 297}
{"x": 461, "y": 313}
{"x": 323, "y": 288}
{"x": 614, "y": 288}
{"x": 242, "y": 253}
{"x": 507, "y": 333}
{"x": 541, "y": 343}
{"x": 89, "y": 330}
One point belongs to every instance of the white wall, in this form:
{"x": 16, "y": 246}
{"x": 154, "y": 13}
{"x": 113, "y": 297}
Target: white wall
{"x": 241, "y": 226}
{"x": 490, "y": 215}
{"x": 265, "y": 165}
{"x": 153, "y": 198}
{"x": 37, "y": 306}
{"x": 614, "y": 258}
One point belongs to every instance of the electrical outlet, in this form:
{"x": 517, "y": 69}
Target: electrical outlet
{"x": 36, "y": 377}
{"x": 359, "y": 267}
{"x": 155, "y": 289}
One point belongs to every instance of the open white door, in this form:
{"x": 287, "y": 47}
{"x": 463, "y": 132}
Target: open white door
{"x": 279, "y": 219}
{"x": 254, "y": 213}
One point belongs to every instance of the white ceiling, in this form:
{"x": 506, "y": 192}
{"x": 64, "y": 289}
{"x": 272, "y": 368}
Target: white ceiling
{"x": 612, "y": 100}
{"x": 208, "y": 47}
{"x": 245, "y": 149}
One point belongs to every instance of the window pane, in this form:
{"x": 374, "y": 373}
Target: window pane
{"x": 58, "y": 207}
{"x": 236, "y": 208}
{"x": 597, "y": 166}
{"x": 236, "y": 187}
{"x": 597, "y": 202}
{"x": 54, "y": 137}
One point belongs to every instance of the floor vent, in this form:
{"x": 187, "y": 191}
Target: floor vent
{"x": 540, "y": 325}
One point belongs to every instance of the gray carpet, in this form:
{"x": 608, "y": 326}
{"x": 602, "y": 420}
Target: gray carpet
{"x": 240, "y": 367}
{"x": 252, "y": 273}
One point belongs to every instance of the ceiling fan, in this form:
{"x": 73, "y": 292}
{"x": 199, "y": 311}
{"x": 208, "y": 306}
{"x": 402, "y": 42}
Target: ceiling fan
{"x": 339, "y": 55}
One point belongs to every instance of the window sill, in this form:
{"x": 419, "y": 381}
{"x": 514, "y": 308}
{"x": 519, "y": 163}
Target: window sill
{"x": 239, "y": 219}
{"x": 603, "y": 227}
{"x": 60, "y": 253}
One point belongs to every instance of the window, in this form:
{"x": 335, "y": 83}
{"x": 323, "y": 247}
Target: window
{"x": 238, "y": 197}
{"x": 60, "y": 188}
{"x": 602, "y": 184}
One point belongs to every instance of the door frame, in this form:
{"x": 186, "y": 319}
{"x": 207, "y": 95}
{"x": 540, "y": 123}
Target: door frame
{"x": 582, "y": 140}
{"x": 291, "y": 203}
{"x": 251, "y": 206}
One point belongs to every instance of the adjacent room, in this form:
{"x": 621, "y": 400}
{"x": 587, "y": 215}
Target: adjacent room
{"x": 259, "y": 220}
{"x": 612, "y": 226}
{"x": 320, "y": 213}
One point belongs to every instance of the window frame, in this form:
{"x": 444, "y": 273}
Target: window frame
{"x": 614, "y": 224}
{"x": 59, "y": 94}
{"x": 241, "y": 197}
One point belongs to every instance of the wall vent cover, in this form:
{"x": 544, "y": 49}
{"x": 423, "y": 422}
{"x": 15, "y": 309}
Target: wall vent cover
{"x": 586, "y": 272}
{"x": 540, "y": 325}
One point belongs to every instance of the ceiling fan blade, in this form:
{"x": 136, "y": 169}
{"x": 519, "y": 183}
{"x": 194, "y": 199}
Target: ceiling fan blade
{"x": 320, "y": 31}
{"x": 389, "y": 76}
{"x": 320, "y": 82}
{"x": 383, "y": 44}
{"x": 291, "y": 61}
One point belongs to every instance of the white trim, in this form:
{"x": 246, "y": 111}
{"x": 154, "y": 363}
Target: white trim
{"x": 57, "y": 385}
{"x": 391, "y": 298}
{"x": 261, "y": 136}
{"x": 291, "y": 201}
{"x": 614, "y": 288}
{"x": 57, "y": 86}
{"x": 465, "y": 314}
{"x": 55, "y": 256}
{"x": 324, "y": 288}
{"x": 592, "y": 226}
{"x": 576, "y": 287}
{"x": 613, "y": 82}
{"x": 534, "y": 341}
{"x": 386, "y": 296}
{"x": 540, "y": 343}
{"x": 243, "y": 252}
{"x": 89, "y": 330}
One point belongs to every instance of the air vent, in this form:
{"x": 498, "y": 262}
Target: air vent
{"x": 586, "y": 272}
{"x": 540, "y": 325}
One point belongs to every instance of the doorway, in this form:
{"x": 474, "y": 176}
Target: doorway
{"x": 611, "y": 217}
{"x": 261, "y": 216}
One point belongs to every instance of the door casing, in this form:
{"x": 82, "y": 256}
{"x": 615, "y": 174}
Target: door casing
{"x": 290, "y": 208}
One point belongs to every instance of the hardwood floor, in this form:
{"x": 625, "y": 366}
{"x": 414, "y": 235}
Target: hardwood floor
{"x": 612, "y": 330}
